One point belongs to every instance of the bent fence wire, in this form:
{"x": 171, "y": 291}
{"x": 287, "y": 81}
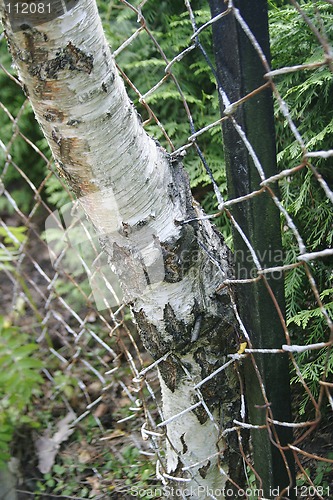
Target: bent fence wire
{"x": 94, "y": 364}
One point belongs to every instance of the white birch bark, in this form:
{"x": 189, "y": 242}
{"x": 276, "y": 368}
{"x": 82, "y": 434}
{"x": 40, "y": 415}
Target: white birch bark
{"x": 136, "y": 197}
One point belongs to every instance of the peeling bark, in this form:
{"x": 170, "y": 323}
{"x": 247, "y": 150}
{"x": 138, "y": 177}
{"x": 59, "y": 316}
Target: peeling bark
{"x": 137, "y": 198}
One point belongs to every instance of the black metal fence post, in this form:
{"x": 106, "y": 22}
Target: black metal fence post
{"x": 240, "y": 71}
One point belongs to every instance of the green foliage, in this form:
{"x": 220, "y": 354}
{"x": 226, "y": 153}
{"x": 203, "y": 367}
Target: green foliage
{"x": 12, "y": 238}
{"x": 314, "y": 364}
{"x": 56, "y": 193}
{"x": 308, "y": 93}
{"x": 20, "y": 379}
{"x": 19, "y": 121}
{"x": 309, "y": 96}
{"x": 64, "y": 383}
{"x": 72, "y": 474}
{"x": 62, "y": 243}
{"x": 321, "y": 475}
{"x": 22, "y": 154}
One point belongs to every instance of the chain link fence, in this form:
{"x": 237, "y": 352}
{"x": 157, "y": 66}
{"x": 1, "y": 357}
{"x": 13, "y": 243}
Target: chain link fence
{"x": 57, "y": 288}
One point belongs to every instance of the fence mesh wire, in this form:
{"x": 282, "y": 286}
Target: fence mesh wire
{"x": 95, "y": 367}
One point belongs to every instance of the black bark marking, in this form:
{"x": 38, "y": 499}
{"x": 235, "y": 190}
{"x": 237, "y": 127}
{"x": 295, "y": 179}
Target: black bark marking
{"x": 171, "y": 373}
{"x": 185, "y": 447}
{"x": 179, "y": 255}
{"x": 178, "y": 471}
{"x": 72, "y": 58}
{"x": 78, "y": 60}
{"x": 173, "y": 270}
{"x": 204, "y": 469}
{"x": 150, "y": 335}
{"x": 25, "y": 90}
{"x": 74, "y": 122}
{"x": 178, "y": 331}
{"x": 180, "y": 188}
{"x": 201, "y": 414}
{"x": 64, "y": 174}
{"x": 125, "y": 229}
{"x": 56, "y": 137}
{"x": 52, "y": 115}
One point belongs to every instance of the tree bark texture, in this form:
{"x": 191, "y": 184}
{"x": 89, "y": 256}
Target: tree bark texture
{"x": 137, "y": 197}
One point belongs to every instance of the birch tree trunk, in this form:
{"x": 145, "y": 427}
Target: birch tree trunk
{"x": 137, "y": 198}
